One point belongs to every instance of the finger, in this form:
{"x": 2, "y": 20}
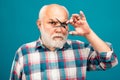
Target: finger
{"x": 68, "y": 21}
{"x": 74, "y": 23}
{"x": 71, "y": 21}
{"x": 82, "y": 15}
{"x": 76, "y": 17}
{"x": 73, "y": 33}
{"x": 80, "y": 22}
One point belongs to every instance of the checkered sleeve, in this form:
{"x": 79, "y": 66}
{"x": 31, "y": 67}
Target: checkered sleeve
{"x": 16, "y": 69}
{"x": 101, "y": 61}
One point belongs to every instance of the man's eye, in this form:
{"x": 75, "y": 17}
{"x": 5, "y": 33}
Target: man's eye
{"x": 53, "y": 23}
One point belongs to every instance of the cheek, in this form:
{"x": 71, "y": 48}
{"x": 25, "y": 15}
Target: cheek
{"x": 49, "y": 30}
{"x": 65, "y": 31}
{"x": 67, "y": 28}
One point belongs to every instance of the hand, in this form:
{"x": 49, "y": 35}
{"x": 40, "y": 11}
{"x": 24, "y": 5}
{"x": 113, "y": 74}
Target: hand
{"x": 80, "y": 24}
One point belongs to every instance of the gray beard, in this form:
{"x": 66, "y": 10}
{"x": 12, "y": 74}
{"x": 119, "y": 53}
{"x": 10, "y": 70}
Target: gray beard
{"x": 50, "y": 42}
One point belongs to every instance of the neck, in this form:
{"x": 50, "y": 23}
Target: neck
{"x": 50, "y": 48}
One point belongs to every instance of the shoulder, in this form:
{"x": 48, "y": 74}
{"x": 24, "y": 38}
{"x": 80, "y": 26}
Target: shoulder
{"x": 27, "y": 48}
{"x": 29, "y": 45}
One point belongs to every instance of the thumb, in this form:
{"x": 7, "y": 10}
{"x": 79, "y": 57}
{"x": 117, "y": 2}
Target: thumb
{"x": 73, "y": 33}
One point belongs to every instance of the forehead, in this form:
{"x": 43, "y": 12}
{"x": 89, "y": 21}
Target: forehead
{"x": 56, "y": 12}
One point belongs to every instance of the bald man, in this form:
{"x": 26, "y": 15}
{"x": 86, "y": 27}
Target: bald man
{"x": 54, "y": 57}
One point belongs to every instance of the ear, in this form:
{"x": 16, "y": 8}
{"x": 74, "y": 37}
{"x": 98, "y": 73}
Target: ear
{"x": 38, "y": 23}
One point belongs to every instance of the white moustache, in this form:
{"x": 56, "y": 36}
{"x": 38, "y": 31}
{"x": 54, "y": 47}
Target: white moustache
{"x": 58, "y": 35}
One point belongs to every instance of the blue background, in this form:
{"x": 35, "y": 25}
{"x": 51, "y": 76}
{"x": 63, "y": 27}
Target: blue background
{"x": 18, "y": 26}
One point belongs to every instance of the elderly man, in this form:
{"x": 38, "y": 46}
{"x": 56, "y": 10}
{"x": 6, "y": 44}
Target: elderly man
{"x": 54, "y": 57}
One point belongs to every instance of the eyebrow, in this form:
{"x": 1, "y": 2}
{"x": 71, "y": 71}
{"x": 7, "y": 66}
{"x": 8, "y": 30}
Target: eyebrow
{"x": 52, "y": 19}
{"x": 58, "y": 20}
{"x": 61, "y": 22}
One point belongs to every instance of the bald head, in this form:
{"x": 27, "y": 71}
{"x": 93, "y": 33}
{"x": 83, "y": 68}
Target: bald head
{"x": 52, "y": 8}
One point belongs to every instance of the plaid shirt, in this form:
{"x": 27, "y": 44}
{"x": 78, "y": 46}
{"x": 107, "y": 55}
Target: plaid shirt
{"x": 35, "y": 62}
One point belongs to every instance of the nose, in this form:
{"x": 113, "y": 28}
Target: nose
{"x": 58, "y": 30}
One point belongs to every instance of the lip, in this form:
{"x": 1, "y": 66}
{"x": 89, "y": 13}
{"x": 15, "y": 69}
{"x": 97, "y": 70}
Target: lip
{"x": 58, "y": 37}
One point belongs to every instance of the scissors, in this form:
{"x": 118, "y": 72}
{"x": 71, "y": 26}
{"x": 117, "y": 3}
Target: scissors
{"x": 62, "y": 24}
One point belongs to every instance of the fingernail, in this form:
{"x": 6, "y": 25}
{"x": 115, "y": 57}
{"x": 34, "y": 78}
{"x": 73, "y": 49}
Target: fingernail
{"x": 71, "y": 20}
{"x": 67, "y": 21}
{"x": 70, "y": 32}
